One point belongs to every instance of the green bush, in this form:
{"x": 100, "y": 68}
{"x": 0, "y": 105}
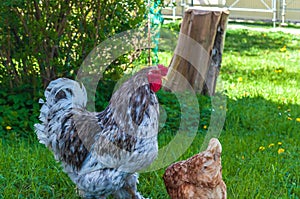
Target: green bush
{"x": 42, "y": 40}
{"x": 19, "y": 111}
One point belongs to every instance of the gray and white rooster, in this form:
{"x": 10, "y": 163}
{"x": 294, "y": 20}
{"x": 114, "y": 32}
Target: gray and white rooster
{"x": 102, "y": 151}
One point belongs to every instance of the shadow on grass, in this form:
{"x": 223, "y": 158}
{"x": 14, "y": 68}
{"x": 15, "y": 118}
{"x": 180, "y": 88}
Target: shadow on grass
{"x": 244, "y": 41}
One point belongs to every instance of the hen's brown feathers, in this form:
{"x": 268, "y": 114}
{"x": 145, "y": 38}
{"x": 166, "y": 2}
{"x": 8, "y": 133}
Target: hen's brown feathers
{"x": 198, "y": 177}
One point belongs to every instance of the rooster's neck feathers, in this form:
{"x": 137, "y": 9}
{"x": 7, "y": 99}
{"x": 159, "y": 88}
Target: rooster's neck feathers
{"x": 133, "y": 102}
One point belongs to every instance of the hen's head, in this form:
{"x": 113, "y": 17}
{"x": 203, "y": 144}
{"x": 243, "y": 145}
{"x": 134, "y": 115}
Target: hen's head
{"x": 155, "y": 77}
{"x": 206, "y": 166}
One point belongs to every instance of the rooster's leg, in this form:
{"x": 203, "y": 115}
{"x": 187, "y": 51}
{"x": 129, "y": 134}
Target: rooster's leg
{"x": 129, "y": 190}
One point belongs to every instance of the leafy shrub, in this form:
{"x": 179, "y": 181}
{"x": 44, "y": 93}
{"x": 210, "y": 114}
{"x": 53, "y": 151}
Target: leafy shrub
{"x": 47, "y": 39}
{"x": 19, "y": 111}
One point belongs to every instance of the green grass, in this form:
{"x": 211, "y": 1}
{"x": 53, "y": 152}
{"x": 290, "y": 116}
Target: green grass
{"x": 261, "y": 79}
{"x": 28, "y": 170}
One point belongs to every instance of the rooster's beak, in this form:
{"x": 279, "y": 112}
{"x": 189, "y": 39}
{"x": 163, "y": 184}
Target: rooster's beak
{"x": 165, "y": 78}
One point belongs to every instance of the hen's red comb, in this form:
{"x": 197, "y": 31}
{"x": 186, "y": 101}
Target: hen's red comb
{"x": 163, "y": 69}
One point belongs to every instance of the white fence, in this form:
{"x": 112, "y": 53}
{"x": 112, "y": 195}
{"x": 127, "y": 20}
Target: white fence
{"x": 271, "y": 10}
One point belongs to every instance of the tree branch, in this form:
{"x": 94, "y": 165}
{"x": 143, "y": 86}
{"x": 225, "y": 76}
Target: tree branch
{"x": 38, "y": 13}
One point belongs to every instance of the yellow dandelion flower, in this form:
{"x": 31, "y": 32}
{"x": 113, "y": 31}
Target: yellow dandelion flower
{"x": 280, "y": 150}
{"x": 246, "y": 94}
{"x": 278, "y": 71}
{"x": 298, "y": 119}
{"x": 283, "y": 49}
{"x": 240, "y": 79}
{"x": 205, "y": 127}
{"x": 279, "y": 143}
{"x": 261, "y": 148}
{"x": 270, "y": 145}
{"x": 8, "y": 128}
{"x": 289, "y": 118}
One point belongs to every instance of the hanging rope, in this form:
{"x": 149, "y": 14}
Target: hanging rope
{"x": 155, "y": 21}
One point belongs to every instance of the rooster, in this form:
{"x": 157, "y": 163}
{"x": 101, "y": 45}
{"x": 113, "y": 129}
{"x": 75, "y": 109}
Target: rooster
{"x": 102, "y": 151}
{"x": 198, "y": 177}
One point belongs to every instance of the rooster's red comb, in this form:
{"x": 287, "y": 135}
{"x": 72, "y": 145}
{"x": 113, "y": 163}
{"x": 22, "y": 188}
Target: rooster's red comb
{"x": 163, "y": 69}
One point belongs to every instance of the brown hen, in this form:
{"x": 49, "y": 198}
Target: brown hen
{"x": 197, "y": 177}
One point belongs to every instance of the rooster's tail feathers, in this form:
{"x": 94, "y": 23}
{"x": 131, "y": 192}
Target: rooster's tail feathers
{"x": 61, "y": 94}
{"x": 66, "y": 90}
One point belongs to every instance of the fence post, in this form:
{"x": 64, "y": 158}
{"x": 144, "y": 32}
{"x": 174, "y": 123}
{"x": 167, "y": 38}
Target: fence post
{"x": 283, "y": 13}
{"x": 274, "y": 13}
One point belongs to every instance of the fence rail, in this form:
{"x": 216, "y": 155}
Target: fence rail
{"x": 273, "y": 10}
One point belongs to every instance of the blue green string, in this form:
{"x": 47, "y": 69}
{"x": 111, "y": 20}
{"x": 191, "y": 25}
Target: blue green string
{"x": 156, "y": 21}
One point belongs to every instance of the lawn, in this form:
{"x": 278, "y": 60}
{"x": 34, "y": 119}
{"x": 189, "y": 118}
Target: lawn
{"x": 261, "y": 136}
